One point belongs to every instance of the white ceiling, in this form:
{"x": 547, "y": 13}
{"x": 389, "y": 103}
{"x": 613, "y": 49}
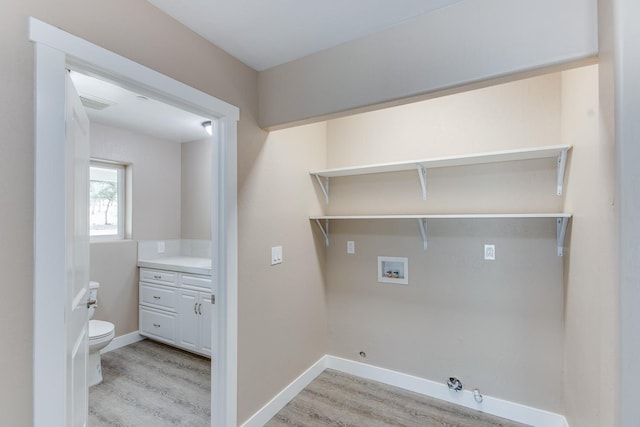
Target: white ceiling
{"x": 263, "y": 34}
{"x": 131, "y": 111}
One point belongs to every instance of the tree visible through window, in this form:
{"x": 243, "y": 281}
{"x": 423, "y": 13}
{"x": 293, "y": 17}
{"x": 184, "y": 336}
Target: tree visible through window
{"x": 106, "y": 200}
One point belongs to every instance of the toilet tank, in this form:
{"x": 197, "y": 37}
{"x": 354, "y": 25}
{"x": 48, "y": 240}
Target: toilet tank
{"x": 93, "y": 297}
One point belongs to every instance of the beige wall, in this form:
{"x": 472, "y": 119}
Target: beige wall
{"x": 156, "y": 169}
{"x": 464, "y": 43}
{"x": 136, "y": 30}
{"x": 497, "y": 325}
{"x": 591, "y": 262}
{"x": 282, "y": 317}
{"x": 195, "y": 192}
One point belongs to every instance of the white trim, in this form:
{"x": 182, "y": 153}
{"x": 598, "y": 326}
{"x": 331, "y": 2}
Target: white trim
{"x": 490, "y": 405}
{"x": 56, "y": 50}
{"x": 122, "y": 341}
{"x": 274, "y": 406}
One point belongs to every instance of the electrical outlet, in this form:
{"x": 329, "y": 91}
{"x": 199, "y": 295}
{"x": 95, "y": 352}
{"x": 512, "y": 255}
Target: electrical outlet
{"x": 351, "y": 247}
{"x": 276, "y": 255}
{"x": 160, "y": 247}
{"x": 490, "y": 252}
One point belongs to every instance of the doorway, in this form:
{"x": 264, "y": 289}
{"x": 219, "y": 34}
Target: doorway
{"x": 55, "y": 51}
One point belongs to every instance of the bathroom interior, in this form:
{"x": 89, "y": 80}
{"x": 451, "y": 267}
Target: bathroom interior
{"x": 504, "y": 316}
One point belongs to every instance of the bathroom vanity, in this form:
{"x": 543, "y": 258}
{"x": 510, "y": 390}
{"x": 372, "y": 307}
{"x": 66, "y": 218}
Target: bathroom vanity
{"x": 175, "y": 299}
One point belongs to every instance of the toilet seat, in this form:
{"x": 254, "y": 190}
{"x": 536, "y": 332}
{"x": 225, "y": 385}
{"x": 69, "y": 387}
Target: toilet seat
{"x": 99, "y": 329}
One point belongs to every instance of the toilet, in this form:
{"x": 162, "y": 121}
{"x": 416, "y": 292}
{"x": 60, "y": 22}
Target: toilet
{"x": 100, "y": 335}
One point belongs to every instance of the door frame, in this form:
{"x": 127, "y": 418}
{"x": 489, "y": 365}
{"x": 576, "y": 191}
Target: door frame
{"x": 55, "y": 50}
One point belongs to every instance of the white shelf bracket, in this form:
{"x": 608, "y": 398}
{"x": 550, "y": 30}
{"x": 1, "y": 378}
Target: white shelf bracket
{"x": 324, "y": 229}
{"x": 422, "y": 222}
{"x": 324, "y": 186}
{"x": 561, "y": 225}
{"x": 422, "y": 173}
{"x": 562, "y": 164}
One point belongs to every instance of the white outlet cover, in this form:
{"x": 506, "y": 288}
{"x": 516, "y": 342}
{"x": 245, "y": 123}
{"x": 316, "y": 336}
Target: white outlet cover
{"x": 351, "y": 247}
{"x": 490, "y": 252}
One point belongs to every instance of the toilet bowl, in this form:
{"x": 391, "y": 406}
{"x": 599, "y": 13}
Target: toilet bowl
{"x": 100, "y": 335}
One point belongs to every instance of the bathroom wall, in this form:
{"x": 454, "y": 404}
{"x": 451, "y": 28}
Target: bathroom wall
{"x": 156, "y": 170}
{"x": 195, "y": 190}
{"x": 497, "y": 325}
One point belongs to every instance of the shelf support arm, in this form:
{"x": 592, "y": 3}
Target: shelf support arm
{"x": 324, "y": 186}
{"x": 422, "y": 173}
{"x": 422, "y": 222}
{"x": 324, "y": 229}
{"x": 561, "y": 226}
{"x": 562, "y": 164}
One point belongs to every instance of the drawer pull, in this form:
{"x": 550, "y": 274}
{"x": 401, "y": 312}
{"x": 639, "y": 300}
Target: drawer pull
{"x": 157, "y": 325}
{"x": 155, "y": 276}
{"x": 156, "y": 297}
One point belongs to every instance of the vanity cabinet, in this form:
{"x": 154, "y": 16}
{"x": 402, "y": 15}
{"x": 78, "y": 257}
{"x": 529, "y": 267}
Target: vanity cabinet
{"x": 195, "y": 321}
{"x": 175, "y": 308}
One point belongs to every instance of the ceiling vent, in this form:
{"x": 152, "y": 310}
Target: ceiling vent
{"x": 95, "y": 103}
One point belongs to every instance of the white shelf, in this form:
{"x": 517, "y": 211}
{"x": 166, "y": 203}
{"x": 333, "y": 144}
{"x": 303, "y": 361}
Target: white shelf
{"x": 562, "y": 219}
{"x": 421, "y": 165}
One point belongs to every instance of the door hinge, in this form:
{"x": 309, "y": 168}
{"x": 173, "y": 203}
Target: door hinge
{"x": 213, "y": 299}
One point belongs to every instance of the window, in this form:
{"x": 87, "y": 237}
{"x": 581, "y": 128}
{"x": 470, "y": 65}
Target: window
{"x": 106, "y": 201}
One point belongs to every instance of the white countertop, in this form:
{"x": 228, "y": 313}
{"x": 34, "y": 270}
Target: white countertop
{"x": 183, "y": 264}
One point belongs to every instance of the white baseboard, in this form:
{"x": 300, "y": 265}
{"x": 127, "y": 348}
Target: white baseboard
{"x": 489, "y": 405}
{"x": 269, "y": 410}
{"x": 122, "y": 340}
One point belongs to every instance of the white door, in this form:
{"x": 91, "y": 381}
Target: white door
{"x": 77, "y": 256}
{"x": 189, "y": 319}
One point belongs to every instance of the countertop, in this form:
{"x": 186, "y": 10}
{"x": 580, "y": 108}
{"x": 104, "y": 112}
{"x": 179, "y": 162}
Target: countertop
{"x": 184, "y": 264}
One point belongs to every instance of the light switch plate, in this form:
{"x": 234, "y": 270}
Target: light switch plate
{"x": 276, "y": 255}
{"x": 160, "y": 247}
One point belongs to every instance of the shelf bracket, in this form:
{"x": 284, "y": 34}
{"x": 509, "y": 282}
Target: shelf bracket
{"x": 561, "y": 226}
{"x": 422, "y": 173}
{"x": 562, "y": 164}
{"x": 324, "y": 229}
{"x": 422, "y": 222}
{"x": 324, "y": 186}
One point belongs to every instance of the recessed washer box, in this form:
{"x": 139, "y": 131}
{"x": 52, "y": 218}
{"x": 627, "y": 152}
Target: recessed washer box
{"x": 393, "y": 270}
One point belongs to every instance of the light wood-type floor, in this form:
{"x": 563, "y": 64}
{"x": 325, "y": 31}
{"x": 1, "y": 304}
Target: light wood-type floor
{"x": 151, "y": 384}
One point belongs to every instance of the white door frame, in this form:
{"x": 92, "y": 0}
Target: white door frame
{"x": 54, "y": 50}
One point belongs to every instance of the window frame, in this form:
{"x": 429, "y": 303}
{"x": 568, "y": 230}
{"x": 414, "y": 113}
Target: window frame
{"x": 121, "y": 169}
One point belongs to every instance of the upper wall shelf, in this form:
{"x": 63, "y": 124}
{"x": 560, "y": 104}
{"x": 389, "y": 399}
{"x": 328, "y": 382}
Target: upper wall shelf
{"x": 557, "y": 151}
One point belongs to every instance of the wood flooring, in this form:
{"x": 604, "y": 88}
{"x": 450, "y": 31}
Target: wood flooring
{"x": 337, "y": 399}
{"x": 154, "y": 385}
{"x": 148, "y": 384}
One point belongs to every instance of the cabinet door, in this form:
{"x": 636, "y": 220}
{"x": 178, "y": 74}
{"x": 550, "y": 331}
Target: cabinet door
{"x": 205, "y": 323}
{"x": 188, "y": 334}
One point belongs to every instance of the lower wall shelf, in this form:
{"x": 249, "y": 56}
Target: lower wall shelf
{"x": 562, "y": 220}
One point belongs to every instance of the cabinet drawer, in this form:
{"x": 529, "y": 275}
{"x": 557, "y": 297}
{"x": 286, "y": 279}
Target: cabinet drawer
{"x": 197, "y": 281}
{"x": 158, "y": 276}
{"x": 158, "y": 325}
{"x": 158, "y": 296}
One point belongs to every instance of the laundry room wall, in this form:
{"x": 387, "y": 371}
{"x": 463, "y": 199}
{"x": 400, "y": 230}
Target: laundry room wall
{"x": 496, "y": 325}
